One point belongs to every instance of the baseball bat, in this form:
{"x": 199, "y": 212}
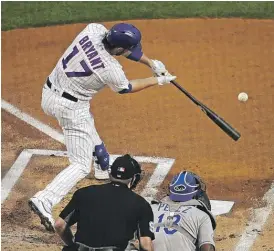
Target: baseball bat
{"x": 228, "y": 129}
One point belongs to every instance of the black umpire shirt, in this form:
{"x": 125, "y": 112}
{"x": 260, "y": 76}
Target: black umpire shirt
{"x": 108, "y": 215}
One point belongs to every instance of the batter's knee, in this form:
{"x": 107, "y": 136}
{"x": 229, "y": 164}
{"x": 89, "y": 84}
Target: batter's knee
{"x": 84, "y": 165}
{"x": 102, "y": 156}
{"x": 85, "y": 168}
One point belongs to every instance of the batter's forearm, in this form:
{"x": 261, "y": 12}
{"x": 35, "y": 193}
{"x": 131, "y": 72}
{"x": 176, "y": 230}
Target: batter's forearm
{"x": 146, "y": 61}
{"x": 141, "y": 84}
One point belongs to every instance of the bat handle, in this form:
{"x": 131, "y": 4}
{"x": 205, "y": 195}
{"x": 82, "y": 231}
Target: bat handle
{"x": 185, "y": 92}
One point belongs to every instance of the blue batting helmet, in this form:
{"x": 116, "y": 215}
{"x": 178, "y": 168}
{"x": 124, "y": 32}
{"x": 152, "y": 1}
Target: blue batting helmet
{"x": 184, "y": 186}
{"x": 124, "y": 35}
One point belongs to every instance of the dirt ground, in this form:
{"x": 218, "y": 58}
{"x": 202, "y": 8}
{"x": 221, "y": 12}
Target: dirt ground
{"x": 214, "y": 59}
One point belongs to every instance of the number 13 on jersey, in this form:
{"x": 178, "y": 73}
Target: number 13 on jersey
{"x": 163, "y": 217}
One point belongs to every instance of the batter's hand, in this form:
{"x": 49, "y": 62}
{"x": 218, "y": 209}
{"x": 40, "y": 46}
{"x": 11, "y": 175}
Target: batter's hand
{"x": 158, "y": 68}
{"x": 165, "y": 79}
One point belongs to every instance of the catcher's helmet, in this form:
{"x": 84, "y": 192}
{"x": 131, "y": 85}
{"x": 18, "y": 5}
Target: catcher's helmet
{"x": 123, "y": 35}
{"x": 186, "y": 186}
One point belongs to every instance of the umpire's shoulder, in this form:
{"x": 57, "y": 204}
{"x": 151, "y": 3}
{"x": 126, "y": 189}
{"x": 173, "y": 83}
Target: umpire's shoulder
{"x": 84, "y": 190}
{"x": 142, "y": 200}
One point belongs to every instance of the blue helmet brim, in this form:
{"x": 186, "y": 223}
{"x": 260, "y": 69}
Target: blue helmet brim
{"x": 182, "y": 197}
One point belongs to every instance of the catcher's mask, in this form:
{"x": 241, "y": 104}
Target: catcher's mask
{"x": 186, "y": 186}
{"x": 126, "y": 167}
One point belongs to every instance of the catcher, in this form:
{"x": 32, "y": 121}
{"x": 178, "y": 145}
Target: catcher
{"x": 183, "y": 220}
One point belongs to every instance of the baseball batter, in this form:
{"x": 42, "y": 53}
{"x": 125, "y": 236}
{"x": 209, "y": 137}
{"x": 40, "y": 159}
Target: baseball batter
{"x": 182, "y": 221}
{"x": 87, "y": 66}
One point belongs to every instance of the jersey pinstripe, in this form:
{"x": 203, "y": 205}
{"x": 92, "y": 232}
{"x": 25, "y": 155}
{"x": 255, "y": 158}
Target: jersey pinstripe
{"x": 102, "y": 68}
{"x": 83, "y": 70}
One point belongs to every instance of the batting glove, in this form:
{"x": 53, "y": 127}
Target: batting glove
{"x": 158, "y": 68}
{"x": 165, "y": 79}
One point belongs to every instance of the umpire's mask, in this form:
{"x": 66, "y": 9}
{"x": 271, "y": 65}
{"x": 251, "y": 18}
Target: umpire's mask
{"x": 126, "y": 167}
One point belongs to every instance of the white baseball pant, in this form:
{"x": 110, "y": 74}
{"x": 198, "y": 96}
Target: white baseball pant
{"x": 80, "y": 139}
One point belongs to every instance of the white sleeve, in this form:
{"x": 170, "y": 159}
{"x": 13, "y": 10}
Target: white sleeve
{"x": 206, "y": 233}
{"x": 116, "y": 79}
{"x": 97, "y": 28}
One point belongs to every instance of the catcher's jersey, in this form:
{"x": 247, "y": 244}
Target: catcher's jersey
{"x": 196, "y": 224}
{"x": 86, "y": 67}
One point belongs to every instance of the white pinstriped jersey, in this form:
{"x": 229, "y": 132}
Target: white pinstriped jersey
{"x": 196, "y": 224}
{"x": 86, "y": 67}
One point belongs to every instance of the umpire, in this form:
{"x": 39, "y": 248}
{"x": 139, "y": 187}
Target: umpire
{"x": 108, "y": 215}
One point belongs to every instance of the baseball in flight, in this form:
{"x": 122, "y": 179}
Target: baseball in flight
{"x": 243, "y": 97}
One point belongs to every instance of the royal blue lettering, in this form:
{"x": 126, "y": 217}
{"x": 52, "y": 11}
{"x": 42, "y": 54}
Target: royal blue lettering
{"x": 99, "y": 66}
{"x": 86, "y": 45}
{"x": 160, "y": 206}
{"x": 92, "y": 55}
{"x": 83, "y": 40}
{"x": 166, "y": 207}
{"x": 90, "y": 50}
{"x": 95, "y": 61}
{"x": 179, "y": 209}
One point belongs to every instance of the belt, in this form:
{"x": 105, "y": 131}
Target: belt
{"x": 98, "y": 249}
{"x": 64, "y": 94}
{"x": 83, "y": 247}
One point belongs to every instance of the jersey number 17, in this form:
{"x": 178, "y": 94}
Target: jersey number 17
{"x": 76, "y": 74}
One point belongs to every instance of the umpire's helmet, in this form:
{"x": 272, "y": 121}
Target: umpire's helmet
{"x": 186, "y": 186}
{"x": 126, "y": 167}
{"x": 124, "y": 35}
